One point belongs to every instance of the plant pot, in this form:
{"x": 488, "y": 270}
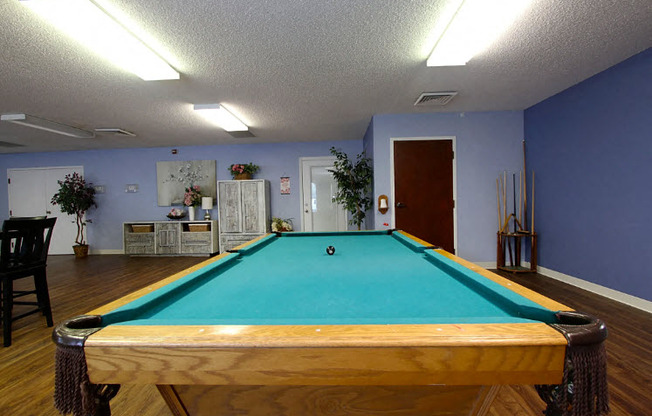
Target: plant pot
{"x": 242, "y": 176}
{"x": 81, "y": 251}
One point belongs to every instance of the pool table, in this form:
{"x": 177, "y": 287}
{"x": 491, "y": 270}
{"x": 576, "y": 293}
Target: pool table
{"x": 385, "y": 324}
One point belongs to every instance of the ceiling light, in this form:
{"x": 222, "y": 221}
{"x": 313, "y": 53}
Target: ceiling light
{"x": 475, "y": 25}
{"x": 216, "y": 113}
{"x": 47, "y": 125}
{"x": 89, "y": 24}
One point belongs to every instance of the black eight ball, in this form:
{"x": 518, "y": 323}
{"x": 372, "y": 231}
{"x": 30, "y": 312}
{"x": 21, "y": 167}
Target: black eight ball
{"x": 330, "y": 250}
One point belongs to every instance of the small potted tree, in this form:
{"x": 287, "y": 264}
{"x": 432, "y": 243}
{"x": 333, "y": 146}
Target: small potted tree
{"x": 75, "y": 197}
{"x": 354, "y": 179}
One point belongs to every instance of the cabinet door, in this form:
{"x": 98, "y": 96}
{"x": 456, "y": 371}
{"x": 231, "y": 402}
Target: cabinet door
{"x": 253, "y": 206}
{"x": 230, "y": 213}
{"x": 167, "y": 238}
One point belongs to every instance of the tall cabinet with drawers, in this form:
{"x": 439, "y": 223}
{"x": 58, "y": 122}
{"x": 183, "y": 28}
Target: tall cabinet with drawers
{"x": 243, "y": 211}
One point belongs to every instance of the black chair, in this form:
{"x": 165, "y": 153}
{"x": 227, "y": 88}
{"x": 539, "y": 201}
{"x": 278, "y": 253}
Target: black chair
{"x": 24, "y": 253}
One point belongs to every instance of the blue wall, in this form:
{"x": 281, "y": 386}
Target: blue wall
{"x": 591, "y": 148}
{"x": 486, "y": 143}
{"x": 116, "y": 168}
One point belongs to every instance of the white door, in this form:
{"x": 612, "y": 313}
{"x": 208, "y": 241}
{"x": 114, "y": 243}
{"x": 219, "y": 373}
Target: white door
{"x": 30, "y": 192}
{"x": 320, "y": 212}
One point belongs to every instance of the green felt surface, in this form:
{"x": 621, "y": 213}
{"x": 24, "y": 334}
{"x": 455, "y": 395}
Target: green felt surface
{"x": 373, "y": 278}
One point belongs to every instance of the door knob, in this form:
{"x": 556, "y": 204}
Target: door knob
{"x": 400, "y": 205}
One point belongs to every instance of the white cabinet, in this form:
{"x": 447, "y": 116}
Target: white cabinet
{"x": 243, "y": 211}
{"x": 171, "y": 238}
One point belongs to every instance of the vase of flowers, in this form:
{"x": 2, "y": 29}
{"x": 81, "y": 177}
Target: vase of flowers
{"x": 192, "y": 199}
{"x": 75, "y": 197}
{"x": 241, "y": 171}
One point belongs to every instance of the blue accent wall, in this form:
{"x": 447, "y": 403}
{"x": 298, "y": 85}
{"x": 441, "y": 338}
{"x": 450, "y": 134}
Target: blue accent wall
{"x": 591, "y": 149}
{"x": 486, "y": 143}
{"x": 116, "y": 168}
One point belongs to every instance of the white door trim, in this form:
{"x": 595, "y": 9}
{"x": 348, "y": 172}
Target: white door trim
{"x": 57, "y": 245}
{"x": 392, "y": 184}
{"x": 318, "y": 161}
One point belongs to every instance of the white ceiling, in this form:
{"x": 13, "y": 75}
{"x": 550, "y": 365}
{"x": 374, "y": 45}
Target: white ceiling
{"x": 295, "y": 70}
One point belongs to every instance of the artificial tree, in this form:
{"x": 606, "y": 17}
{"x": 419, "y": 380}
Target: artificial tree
{"x": 75, "y": 197}
{"x": 354, "y": 181}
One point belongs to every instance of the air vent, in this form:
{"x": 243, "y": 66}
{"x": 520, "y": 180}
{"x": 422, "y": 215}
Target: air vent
{"x": 8, "y": 144}
{"x": 241, "y": 134}
{"x": 434, "y": 98}
{"x": 116, "y": 131}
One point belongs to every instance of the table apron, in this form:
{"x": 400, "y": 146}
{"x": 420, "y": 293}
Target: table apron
{"x": 484, "y": 365}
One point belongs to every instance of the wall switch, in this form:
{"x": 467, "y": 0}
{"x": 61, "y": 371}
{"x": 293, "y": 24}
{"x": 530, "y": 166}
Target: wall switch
{"x": 131, "y": 188}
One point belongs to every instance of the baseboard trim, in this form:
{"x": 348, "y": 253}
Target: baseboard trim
{"x": 106, "y": 251}
{"x": 616, "y": 295}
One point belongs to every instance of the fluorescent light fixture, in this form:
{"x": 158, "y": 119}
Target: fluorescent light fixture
{"x": 90, "y": 25}
{"x": 47, "y": 125}
{"x": 216, "y": 113}
{"x": 475, "y": 25}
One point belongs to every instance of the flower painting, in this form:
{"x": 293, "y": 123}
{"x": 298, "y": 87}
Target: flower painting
{"x": 175, "y": 178}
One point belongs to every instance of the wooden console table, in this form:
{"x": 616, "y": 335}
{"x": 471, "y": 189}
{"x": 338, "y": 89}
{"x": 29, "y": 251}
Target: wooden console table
{"x": 171, "y": 238}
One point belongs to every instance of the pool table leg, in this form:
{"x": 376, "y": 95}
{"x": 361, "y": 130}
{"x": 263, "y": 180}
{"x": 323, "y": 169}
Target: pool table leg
{"x": 200, "y": 400}
{"x": 172, "y": 399}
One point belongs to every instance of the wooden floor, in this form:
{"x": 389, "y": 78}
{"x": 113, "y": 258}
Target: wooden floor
{"x": 77, "y": 286}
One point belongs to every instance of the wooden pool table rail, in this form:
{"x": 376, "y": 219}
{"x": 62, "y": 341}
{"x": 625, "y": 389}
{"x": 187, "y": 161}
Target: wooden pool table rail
{"x": 327, "y": 355}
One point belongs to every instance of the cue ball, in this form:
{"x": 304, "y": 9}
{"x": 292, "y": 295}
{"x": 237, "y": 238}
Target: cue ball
{"x": 330, "y": 250}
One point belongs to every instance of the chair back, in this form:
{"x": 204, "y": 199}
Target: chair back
{"x": 25, "y": 243}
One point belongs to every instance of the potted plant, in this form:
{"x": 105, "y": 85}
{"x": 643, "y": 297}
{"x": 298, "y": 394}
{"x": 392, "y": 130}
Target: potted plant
{"x": 243, "y": 171}
{"x": 75, "y": 197}
{"x": 354, "y": 181}
{"x": 281, "y": 225}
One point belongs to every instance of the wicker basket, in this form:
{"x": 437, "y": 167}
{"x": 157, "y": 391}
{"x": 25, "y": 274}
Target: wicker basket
{"x": 142, "y": 228}
{"x": 197, "y": 228}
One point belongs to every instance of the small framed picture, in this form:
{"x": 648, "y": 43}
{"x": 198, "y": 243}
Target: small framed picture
{"x": 285, "y": 185}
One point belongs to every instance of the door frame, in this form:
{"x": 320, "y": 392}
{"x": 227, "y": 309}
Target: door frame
{"x": 54, "y": 250}
{"x": 325, "y": 160}
{"x": 392, "y": 185}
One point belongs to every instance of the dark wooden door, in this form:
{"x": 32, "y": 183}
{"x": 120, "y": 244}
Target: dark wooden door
{"x": 423, "y": 187}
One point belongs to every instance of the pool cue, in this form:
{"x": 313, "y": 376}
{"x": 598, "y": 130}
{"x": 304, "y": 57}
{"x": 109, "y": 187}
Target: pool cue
{"x": 505, "y": 201}
{"x": 515, "y": 221}
{"x": 532, "y": 223}
{"x": 514, "y": 197}
{"x": 524, "y": 225}
{"x": 500, "y": 221}
{"x": 509, "y": 241}
{"x": 520, "y": 200}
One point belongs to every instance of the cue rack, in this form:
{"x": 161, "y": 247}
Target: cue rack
{"x": 513, "y": 235}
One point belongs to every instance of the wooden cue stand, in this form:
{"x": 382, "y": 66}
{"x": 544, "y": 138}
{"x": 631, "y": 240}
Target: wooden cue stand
{"x": 517, "y": 240}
